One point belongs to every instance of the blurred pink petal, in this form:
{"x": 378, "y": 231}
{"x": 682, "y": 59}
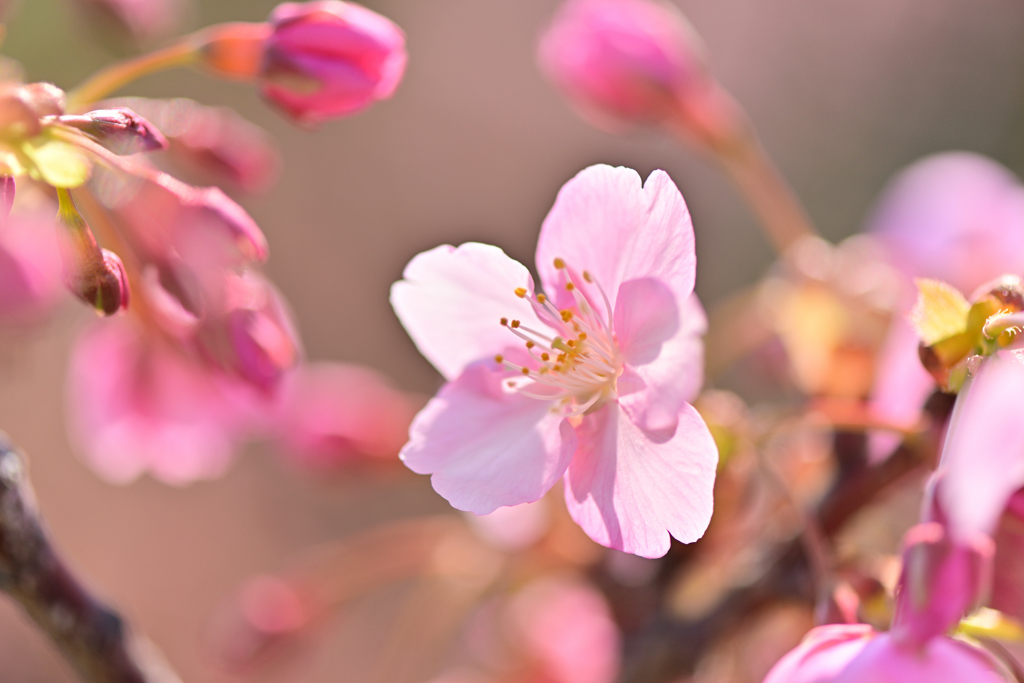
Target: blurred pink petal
{"x": 216, "y": 141}
{"x": 143, "y": 20}
{"x": 630, "y": 489}
{"x": 568, "y": 628}
{"x": 1008, "y": 566}
{"x": 609, "y": 243}
{"x": 855, "y": 653}
{"x": 624, "y": 60}
{"x": 513, "y": 528}
{"x": 330, "y": 58}
{"x": 137, "y": 406}
{"x": 982, "y": 462}
{"x": 333, "y": 413}
{"x": 486, "y": 447}
{"x": 942, "y": 581}
{"x": 31, "y": 275}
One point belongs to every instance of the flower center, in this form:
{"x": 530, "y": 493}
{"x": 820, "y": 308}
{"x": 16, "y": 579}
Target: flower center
{"x": 575, "y": 362}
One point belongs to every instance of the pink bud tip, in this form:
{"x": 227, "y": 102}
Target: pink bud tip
{"x": 120, "y": 130}
{"x": 330, "y": 58}
{"x": 624, "y": 60}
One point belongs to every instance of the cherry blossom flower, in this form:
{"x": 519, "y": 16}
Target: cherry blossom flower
{"x": 590, "y": 380}
{"x": 856, "y": 653}
{"x": 137, "y": 404}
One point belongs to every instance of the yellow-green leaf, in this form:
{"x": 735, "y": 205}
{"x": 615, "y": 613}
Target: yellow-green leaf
{"x": 940, "y": 312}
{"x": 56, "y": 162}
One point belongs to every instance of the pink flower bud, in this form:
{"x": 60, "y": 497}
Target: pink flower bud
{"x": 120, "y": 130}
{"x": 22, "y": 107}
{"x": 941, "y": 582}
{"x": 46, "y": 99}
{"x": 103, "y": 284}
{"x": 855, "y": 653}
{"x": 253, "y": 337}
{"x": 624, "y": 60}
{"x": 330, "y": 58}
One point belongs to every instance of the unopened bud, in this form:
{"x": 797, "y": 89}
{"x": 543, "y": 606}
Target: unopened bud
{"x": 94, "y": 275}
{"x": 234, "y": 50}
{"x": 103, "y": 284}
{"x": 120, "y": 130}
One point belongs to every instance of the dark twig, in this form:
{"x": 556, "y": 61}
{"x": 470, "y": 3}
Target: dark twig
{"x": 94, "y": 639}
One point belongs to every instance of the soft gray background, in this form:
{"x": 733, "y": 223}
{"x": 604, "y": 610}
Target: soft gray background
{"x": 474, "y": 146}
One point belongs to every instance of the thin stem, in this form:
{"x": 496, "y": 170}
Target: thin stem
{"x": 95, "y": 640}
{"x": 713, "y": 121}
{"x": 116, "y": 76}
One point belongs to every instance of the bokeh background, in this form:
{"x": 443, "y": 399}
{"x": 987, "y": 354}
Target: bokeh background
{"x": 474, "y": 146}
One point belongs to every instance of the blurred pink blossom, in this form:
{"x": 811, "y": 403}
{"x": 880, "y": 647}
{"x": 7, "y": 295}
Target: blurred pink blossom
{"x": 136, "y": 404}
{"x": 599, "y": 393}
{"x": 956, "y": 217}
{"x": 333, "y": 413}
{"x": 624, "y": 60}
{"x": 566, "y": 627}
{"x": 31, "y": 276}
{"x": 329, "y": 58}
{"x": 856, "y": 653}
{"x": 216, "y": 141}
{"x": 143, "y": 20}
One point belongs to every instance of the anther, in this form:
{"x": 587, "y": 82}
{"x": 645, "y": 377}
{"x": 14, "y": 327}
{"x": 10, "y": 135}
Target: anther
{"x": 499, "y": 358}
{"x": 559, "y": 263}
{"x": 569, "y": 286}
{"x": 583, "y": 336}
{"x": 586, "y": 276}
{"x": 526, "y": 371}
{"x": 521, "y": 292}
{"x": 545, "y": 356}
{"x": 541, "y": 298}
{"x": 515, "y": 324}
{"x": 504, "y": 322}
{"x": 530, "y": 344}
{"x": 571, "y": 343}
{"x": 566, "y": 316}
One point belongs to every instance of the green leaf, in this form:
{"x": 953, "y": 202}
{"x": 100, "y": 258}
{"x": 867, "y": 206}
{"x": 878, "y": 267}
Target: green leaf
{"x": 941, "y": 312}
{"x": 56, "y": 162}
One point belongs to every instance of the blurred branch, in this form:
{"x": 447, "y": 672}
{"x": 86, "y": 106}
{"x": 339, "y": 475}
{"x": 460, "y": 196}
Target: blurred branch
{"x": 94, "y": 639}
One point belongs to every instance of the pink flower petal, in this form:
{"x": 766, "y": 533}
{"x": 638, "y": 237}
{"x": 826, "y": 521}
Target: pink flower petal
{"x": 1008, "y": 566}
{"x": 452, "y": 300}
{"x": 982, "y": 458}
{"x": 661, "y": 341}
{"x": 487, "y": 448}
{"x": 604, "y": 222}
{"x": 630, "y": 489}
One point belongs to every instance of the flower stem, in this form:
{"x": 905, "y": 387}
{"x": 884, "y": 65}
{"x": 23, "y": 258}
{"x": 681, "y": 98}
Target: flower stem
{"x": 116, "y": 76}
{"x": 95, "y": 640}
{"x": 714, "y": 122}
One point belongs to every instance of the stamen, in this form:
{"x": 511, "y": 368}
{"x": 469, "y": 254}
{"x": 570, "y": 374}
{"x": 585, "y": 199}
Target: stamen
{"x": 566, "y": 316}
{"x": 559, "y": 264}
{"x": 544, "y": 357}
{"x": 530, "y": 344}
{"x": 504, "y": 322}
{"x": 526, "y": 371}
{"x": 499, "y": 358}
{"x": 515, "y": 323}
{"x": 521, "y": 292}
{"x": 569, "y": 286}
{"x": 586, "y": 276}
{"x": 541, "y": 298}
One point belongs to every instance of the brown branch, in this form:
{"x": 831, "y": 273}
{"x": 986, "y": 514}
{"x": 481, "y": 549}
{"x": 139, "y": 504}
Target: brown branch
{"x": 94, "y": 640}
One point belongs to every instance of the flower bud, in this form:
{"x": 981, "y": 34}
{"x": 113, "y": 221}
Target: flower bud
{"x": 120, "y": 130}
{"x": 103, "y": 284}
{"x": 629, "y": 61}
{"x": 330, "y": 58}
{"x": 94, "y": 275}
